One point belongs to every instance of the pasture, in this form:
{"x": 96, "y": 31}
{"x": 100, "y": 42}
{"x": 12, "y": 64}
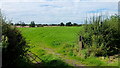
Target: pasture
{"x": 54, "y": 37}
{"x": 51, "y": 43}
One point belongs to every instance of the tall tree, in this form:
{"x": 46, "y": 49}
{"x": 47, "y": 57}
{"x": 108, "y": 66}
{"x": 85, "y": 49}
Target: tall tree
{"x": 75, "y": 24}
{"x": 61, "y": 24}
{"x": 32, "y": 24}
{"x": 17, "y": 24}
{"x": 23, "y": 24}
{"x": 69, "y": 24}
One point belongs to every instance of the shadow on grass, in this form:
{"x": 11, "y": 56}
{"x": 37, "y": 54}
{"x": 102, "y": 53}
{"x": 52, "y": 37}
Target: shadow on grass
{"x": 50, "y": 64}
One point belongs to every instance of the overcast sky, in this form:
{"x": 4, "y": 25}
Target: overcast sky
{"x": 56, "y": 11}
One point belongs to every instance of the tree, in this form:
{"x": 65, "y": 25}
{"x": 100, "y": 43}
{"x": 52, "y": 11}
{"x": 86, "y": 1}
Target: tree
{"x": 69, "y": 24}
{"x": 39, "y": 25}
{"x": 13, "y": 45}
{"x": 17, "y": 24}
{"x": 23, "y": 24}
{"x": 75, "y": 24}
{"x": 32, "y": 24}
{"x": 61, "y": 24}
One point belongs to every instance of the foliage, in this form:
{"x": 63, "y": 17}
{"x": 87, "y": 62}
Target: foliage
{"x": 13, "y": 44}
{"x": 42, "y": 40}
{"x": 75, "y": 24}
{"x": 62, "y": 24}
{"x": 23, "y": 24}
{"x": 69, "y": 24}
{"x": 93, "y": 61}
{"x": 32, "y": 24}
{"x": 101, "y": 37}
{"x": 17, "y": 24}
{"x": 39, "y": 25}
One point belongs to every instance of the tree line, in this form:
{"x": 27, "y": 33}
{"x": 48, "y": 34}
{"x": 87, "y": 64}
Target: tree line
{"x": 33, "y": 24}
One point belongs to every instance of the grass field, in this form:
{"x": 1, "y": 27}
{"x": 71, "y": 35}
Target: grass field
{"x": 54, "y": 37}
{"x": 51, "y": 43}
{"x": 51, "y": 36}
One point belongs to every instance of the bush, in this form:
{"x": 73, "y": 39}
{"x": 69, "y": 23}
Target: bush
{"x": 101, "y": 37}
{"x": 13, "y": 44}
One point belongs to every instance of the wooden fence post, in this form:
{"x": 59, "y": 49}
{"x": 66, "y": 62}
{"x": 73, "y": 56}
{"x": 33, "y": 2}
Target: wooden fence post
{"x": 81, "y": 42}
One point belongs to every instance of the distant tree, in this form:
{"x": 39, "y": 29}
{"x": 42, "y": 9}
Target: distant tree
{"x": 39, "y": 25}
{"x": 61, "y": 24}
{"x": 53, "y": 24}
{"x": 69, "y": 24}
{"x": 45, "y": 24}
{"x": 23, "y": 24}
{"x": 80, "y": 24}
{"x": 17, "y": 24}
{"x": 32, "y": 24}
{"x": 75, "y": 24}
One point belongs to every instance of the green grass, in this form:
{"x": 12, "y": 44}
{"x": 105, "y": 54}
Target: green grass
{"x": 54, "y": 37}
{"x": 46, "y": 41}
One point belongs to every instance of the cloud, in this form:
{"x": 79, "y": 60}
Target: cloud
{"x": 60, "y": 0}
{"x": 47, "y": 5}
{"x": 0, "y": 5}
{"x": 98, "y": 10}
{"x": 100, "y": 0}
{"x": 55, "y": 12}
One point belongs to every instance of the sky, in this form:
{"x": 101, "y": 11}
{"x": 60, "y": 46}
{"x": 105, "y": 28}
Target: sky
{"x": 56, "y": 11}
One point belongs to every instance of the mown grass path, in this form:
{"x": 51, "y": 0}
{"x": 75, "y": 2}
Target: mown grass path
{"x": 64, "y": 58}
{"x": 37, "y": 60}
